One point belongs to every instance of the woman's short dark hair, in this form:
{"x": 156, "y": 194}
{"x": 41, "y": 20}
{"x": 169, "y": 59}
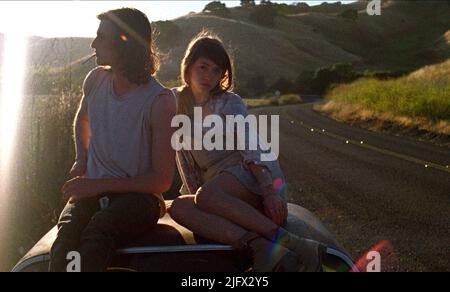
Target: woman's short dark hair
{"x": 209, "y": 46}
{"x": 132, "y": 37}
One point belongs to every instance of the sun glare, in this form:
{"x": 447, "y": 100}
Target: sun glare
{"x": 11, "y": 92}
{"x": 11, "y": 95}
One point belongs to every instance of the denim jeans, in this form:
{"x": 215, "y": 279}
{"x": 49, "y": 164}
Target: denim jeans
{"x": 96, "y": 233}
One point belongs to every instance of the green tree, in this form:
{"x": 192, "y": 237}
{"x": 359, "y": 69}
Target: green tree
{"x": 303, "y": 83}
{"x": 282, "y": 85}
{"x": 217, "y": 8}
{"x": 337, "y": 73}
{"x": 248, "y": 3}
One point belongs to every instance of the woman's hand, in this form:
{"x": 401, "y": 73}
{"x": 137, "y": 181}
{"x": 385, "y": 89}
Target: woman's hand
{"x": 275, "y": 207}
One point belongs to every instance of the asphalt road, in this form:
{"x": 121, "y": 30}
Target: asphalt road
{"x": 387, "y": 193}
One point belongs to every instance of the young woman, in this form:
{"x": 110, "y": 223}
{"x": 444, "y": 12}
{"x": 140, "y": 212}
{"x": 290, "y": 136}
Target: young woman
{"x": 232, "y": 196}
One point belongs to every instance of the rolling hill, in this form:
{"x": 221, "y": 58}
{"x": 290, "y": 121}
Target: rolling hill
{"x": 407, "y": 36}
{"x": 403, "y": 37}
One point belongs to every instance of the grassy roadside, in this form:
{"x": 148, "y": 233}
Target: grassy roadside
{"x": 273, "y": 101}
{"x": 418, "y": 102}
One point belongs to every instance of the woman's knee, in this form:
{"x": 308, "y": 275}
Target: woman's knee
{"x": 224, "y": 187}
{"x": 181, "y": 207}
{"x": 206, "y": 198}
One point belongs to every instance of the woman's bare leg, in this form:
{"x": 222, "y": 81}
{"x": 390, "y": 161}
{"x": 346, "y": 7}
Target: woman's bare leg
{"x": 265, "y": 257}
{"x": 185, "y": 212}
{"x": 226, "y": 197}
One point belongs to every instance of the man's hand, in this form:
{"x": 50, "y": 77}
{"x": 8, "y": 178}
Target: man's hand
{"x": 79, "y": 188}
{"x": 78, "y": 169}
{"x": 275, "y": 207}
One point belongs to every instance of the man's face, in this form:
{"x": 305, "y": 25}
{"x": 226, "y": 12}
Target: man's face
{"x": 103, "y": 44}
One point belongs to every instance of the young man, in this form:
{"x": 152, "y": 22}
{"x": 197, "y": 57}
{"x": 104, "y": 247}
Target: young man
{"x": 124, "y": 159}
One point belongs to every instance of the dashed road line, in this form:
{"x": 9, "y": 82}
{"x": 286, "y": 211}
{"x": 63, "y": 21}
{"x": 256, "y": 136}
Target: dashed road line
{"x": 363, "y": 144}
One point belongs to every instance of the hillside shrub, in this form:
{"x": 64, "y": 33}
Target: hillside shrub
{"x": 217, "y": 8}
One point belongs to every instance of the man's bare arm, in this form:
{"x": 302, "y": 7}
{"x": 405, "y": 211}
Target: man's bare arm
{"x": 158, "y": 180}
{"x": 82, "y": 131}
{"x": 82, "y": 136}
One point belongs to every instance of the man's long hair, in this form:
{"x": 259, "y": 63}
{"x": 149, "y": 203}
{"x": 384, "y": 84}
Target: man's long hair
{"x": 138, "y": 59}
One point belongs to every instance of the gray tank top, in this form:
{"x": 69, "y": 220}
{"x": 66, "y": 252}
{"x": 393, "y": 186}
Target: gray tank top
{"x": 120, "y": 144}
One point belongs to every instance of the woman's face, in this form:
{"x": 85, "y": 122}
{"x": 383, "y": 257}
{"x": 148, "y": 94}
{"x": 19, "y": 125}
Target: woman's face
{"x": 204, "y": 76}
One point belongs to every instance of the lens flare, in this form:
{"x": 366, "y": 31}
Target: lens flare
{"x": 11, "y": 95}
{"x": 387, "y": 257}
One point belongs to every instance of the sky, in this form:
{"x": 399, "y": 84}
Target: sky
{"x": 78, "y": 18}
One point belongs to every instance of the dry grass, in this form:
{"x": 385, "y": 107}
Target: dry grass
{"x": 359, "y": 114}
{"x": 256, "y": 102}
{"x": 433, "y": 73}
{"x": 420, "y": 101}
{"x": 273, "y": 101}
{"x": 256, "y": 50}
